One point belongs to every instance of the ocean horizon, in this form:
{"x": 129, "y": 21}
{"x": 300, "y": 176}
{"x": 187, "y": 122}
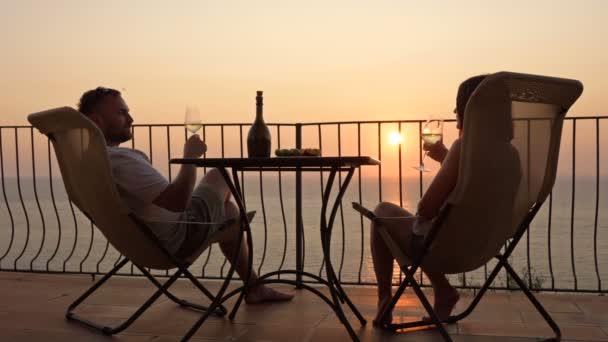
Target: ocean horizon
{"x": 54, "y": 243}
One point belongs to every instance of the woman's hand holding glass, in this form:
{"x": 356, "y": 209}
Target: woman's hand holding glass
{"x": 436, "y": 151}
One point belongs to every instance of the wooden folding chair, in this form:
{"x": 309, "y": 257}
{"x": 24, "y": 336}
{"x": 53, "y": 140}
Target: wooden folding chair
{"x": 82, "y": 157}
{"x": 508, "y": 162}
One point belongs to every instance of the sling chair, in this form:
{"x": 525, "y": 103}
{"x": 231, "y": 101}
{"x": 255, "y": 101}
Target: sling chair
{"x": 81, "y": 153}
{"x": 508, "y": 162}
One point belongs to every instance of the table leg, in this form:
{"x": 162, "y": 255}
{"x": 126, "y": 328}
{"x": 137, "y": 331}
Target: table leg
{"x": 299, "y": 229}
{"x": 332, "y": 217}
{"x": 335, "y": 289}
{"x": 235, "y": 189}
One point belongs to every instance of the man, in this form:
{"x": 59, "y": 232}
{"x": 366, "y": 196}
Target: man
{"x": 157, "y": 201}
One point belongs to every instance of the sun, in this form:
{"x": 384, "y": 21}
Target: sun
{"x": 395, "y": 138}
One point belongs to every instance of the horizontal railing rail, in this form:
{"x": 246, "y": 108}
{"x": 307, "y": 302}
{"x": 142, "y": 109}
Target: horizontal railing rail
{"x": 565, "y": 249}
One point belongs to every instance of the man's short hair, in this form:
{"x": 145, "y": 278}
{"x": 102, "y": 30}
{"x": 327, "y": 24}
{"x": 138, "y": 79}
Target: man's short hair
{"x": 465, "y": 90}
{"x": 92, "y": 98}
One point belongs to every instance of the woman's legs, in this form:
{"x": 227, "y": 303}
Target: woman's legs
{"x": 445, "y": 294}
{"x": 381, "y": 255}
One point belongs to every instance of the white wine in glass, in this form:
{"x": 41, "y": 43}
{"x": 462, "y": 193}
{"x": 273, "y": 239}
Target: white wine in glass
{"x": 432, "y": 133}
{"x": 194, "y": 127}
{"x": 431, "y": 138}
{"x": 193, "y": 119}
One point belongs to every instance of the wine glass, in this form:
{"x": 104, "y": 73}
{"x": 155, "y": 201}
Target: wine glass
{"x": 432, "y": 133}
{"x": 193, "y": 119}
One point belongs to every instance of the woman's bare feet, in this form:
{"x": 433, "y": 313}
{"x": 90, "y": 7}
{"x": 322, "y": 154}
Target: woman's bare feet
{"x": 382, "y": 305}
{"x": 445, "y": 300}
{"x": 263, "y": 294}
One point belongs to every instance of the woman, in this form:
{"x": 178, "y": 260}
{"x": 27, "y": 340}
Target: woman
{"x": 410, "y": 233}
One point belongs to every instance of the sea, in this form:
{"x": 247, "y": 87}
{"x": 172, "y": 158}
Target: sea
{"x": 40, "y": 230}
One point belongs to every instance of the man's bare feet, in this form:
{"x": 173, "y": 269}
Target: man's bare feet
{"x": 263, "y": 294}
{"x": 382, "y": 305}
{"x": 444, "y": 304}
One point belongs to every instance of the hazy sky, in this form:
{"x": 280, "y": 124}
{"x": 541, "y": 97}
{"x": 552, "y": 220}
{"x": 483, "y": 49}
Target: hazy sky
{"x": 315, "y": 60}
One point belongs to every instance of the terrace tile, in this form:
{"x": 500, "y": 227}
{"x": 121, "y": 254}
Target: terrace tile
{"x": 32, "y": 307}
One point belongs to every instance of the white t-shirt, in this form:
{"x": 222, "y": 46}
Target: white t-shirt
{"x": 139, "y": 183}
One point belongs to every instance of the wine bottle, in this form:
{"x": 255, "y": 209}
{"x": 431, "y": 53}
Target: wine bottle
{"x": 258, "y": 139}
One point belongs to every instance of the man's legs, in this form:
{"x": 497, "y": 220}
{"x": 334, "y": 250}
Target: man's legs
{"x": 228, "y": 244}
{"x": 445, "y": 295}
{"x": 213, "y": 179}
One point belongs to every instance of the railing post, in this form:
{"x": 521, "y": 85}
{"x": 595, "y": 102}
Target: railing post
{"x": 299, "y": 222}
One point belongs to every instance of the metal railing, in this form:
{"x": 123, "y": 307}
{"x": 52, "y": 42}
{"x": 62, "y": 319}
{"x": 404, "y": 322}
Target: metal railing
{"x": 566, "y": 248}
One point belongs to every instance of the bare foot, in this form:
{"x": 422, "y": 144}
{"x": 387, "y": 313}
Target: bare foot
{"x": 444, "y": 304}
{"x": 263, "y": 294}
{"x": 382, "y": 305}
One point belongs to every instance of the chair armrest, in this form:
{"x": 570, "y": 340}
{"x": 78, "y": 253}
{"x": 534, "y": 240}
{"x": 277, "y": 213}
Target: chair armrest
{"x": 380, "y": 219}
{"x": 364, "y": 211}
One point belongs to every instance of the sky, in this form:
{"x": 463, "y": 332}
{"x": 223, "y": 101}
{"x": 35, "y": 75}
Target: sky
{"x": 314, "y": 60}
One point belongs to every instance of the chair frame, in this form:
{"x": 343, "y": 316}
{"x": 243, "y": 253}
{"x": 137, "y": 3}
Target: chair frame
{"x": 182, "y": 266}
{"x": 410, "y": 271}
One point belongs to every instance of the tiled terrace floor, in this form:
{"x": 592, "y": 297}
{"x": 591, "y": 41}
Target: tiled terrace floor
{"x": 32, "y": 308}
